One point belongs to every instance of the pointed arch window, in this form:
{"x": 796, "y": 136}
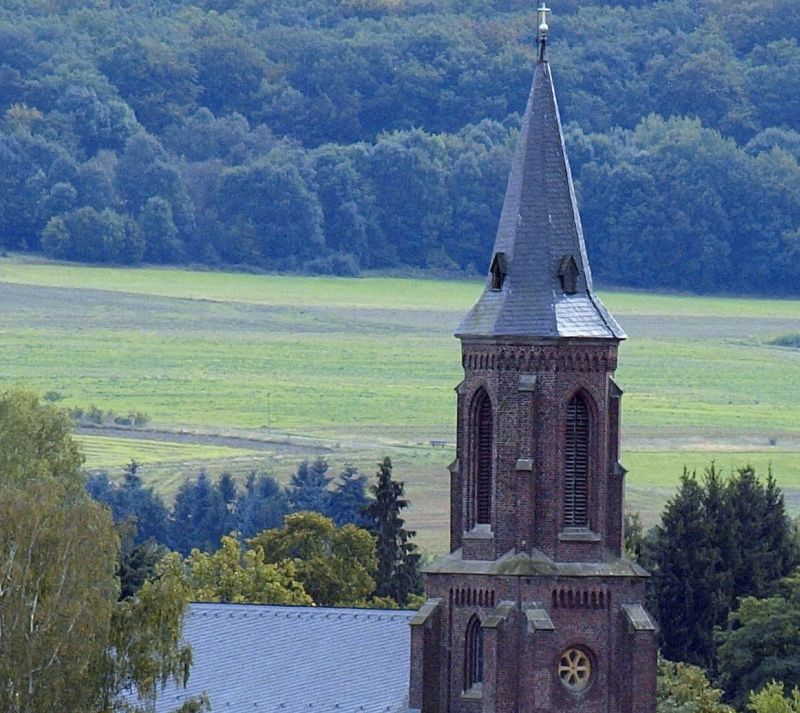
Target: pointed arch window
{"x": 576, "y": 464}
{"x": 473, "y": 654}
{"x": 482, "y": 436}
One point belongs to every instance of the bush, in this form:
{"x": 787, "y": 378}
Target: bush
{"x": 97, "y": 416}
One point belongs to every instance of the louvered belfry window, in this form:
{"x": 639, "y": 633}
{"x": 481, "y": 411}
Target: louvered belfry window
{"x": 482, "y": 434}
{"x": 473, "y": 654}
{"x": 576, "y": 464}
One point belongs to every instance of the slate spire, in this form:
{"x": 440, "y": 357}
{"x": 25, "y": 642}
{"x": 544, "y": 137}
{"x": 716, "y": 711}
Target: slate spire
{"x": 539, "y": 283}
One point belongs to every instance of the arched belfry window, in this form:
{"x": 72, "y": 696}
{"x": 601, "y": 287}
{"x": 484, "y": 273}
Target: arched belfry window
{"x": 473, "y": 654}
{"x": 482, "y": 429}
{"x": 576, "y": 464}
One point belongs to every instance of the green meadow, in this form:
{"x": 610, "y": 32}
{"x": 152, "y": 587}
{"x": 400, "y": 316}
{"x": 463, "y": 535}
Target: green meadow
{"x": 356, "y": 368}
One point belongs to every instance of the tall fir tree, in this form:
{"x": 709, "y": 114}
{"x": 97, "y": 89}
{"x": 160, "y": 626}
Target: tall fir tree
{"x": 764, "y": 543}
{"x": 720, "y": 540}
{"x": 348, "y": 500}
{"x": 398, "y": 574}
{"x": 262, "y": 506}
{"x": 129, "y": 501}
{"x": 308, "y": 490}
{"x": 685, "y": 593}
{"x": 199, "y": 517}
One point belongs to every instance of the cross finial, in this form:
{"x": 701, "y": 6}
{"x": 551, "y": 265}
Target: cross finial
{"x": 541, "y": 18}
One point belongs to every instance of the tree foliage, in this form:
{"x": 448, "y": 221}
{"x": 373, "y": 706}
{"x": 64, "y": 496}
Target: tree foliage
{"x": 230, "y": 575}
{"x": 68, "y": 639}
{"x": 144, "y": 649}
{"x": 200, "y": 516}
{"x": 719, "y": 540}
{"x": 762, "y": 644}
{"x": 308, "y": 489}
{"x": 262, "y": 505}
{"x": 331, "y": 137}
{"x": 771, "y": 700}
{"x": 683, "y": 688}
{"x": 129, "y": 501}
{"x": 398, "y": 574}
{"x": 58, "y": 593}
{"x": 335, "y": 565}
{"x": 36, "y": 443}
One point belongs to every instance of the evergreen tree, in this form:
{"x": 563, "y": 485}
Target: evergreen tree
{"x": 686, "y": 558}
{"x": 763, "y": 540}
{"x": 138, "y": 563}
{"x": 398, "y": 573}
{"x": 227, "y": 489}
{"x": 262, "y": 506}
{"x": 722, "y": 536}
{"x": 199, "y": 517}
{"x": 348, "y": 501}
{"x": 131, "y": 502}
{"x": 308, "y": 490}
{"x": 719, "y": 541}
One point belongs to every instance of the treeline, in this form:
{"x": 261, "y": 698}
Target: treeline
{"x": 373, "y": 134}
{"x": 209, "y": 520}
{"x": 725, "y": 587}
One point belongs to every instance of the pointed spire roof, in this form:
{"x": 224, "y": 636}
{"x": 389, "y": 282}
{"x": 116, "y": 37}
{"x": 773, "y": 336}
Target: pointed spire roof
{"x": 540, "y": 283}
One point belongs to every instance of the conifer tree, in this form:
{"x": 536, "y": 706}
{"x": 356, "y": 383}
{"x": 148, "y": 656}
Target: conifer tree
{"x": 686, "y": 594}
{"x": 719, "y": 541}
{"x": 348, "y": 501}
{"x": 262, "y": 506}
{"x": 199, "y": 517}
{"x": 308, "y": 490}
{"x": 398, "y": 573}
{"x": 764, "y": 543}
{"x": 129, "y": 501}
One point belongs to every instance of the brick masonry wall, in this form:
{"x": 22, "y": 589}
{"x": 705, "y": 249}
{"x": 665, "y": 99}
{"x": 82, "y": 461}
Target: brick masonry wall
{"x": 521, "y": 666}
{"x": 530, "y": 386}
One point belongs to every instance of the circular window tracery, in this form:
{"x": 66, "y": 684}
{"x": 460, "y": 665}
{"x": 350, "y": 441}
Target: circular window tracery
{"x": 575, "y": 670}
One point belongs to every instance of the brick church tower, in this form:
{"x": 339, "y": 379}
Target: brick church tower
{"x": 535, "y": 610}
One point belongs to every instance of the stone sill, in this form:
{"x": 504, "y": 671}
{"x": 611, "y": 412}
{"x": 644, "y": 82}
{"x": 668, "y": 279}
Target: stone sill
{"x": 473, "y": 694}
{"x": 580, "y": 534}
{"x": 479, "y": 532}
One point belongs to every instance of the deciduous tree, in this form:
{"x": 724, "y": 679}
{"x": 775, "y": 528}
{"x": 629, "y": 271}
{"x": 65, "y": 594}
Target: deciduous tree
{"x": 762, "y": 642}
{"x": 335, "y": 564}
{"x": 230, "y": 575}
{"x": 683, "y": 688}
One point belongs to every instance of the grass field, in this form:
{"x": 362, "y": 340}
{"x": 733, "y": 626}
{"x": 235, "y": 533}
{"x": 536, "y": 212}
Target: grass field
{"x": 367, "y": 367}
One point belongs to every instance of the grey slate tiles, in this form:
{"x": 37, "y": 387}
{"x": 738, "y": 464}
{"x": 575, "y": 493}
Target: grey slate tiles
{"x": 295, "y": 659}
{"x": 539, "y": 231}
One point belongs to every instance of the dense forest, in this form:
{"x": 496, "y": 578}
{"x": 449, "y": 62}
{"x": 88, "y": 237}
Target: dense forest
{"x": 342, "y": 135}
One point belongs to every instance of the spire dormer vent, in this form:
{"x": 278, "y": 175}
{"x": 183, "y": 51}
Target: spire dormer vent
{"x": 499, "y": 270}
{"x": 568, "y": 275}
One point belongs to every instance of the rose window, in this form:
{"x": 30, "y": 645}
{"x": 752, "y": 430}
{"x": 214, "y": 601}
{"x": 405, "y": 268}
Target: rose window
{"x": 575, "y": 669}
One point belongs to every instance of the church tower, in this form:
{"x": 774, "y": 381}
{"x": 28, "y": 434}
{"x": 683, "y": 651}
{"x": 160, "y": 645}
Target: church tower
{"x": 535, "y": 609}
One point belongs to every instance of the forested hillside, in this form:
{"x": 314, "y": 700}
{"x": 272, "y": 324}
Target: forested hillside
{"x": 339, "y": 135}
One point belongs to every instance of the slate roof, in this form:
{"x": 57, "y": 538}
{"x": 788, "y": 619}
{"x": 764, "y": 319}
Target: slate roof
{"x": 539, "y": 230}
{"x": 296, "y": 659}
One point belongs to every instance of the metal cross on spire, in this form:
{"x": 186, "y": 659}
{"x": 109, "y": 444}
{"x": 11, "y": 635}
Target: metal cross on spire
{"x": 541, "y": 18}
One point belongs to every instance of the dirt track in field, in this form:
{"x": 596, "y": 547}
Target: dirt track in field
{"x": 277, "y": 445}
